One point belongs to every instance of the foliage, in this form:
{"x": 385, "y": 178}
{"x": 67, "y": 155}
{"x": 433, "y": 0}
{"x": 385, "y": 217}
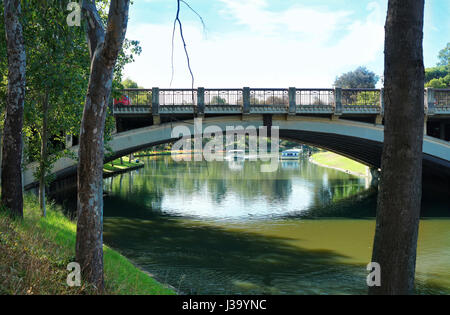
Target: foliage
{"x": 439, "y": 77}
{"x": 34, "y": 254}
{"x": 130, "y": 84}
{"x": 359, "y": 78}
{"x": 368, "y": 98}
{"x": 58, "y": 65}
{"x": 444, "y": 56}
{"x": 50, "y": 43}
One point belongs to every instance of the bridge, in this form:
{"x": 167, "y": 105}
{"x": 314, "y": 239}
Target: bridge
{"x": 346, "y": 121}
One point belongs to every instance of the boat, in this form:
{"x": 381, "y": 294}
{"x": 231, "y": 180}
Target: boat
{"x": 292, "y": 154}
{"x": 235, "y": 155}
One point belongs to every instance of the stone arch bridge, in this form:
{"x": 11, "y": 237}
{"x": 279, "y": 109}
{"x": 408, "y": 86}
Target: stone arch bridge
{"x": 348, "y": 122}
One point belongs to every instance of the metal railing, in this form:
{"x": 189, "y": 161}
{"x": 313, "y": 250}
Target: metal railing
{"x": 442, "y": 97}
{"x": 288, "y": 98}
{"x": 271, "y": 97}
{"x": 223, "y": 97}
{"x": 307, "y": 97}
{"x": 361, "y": 97}
{"x": 177, "y": 97}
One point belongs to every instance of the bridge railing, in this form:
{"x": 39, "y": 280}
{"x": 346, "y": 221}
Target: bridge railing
{"x": 291, "y": 100}
{"x": 273, "y": 97}
{"x": 171, "y": 97}
{"x": 442, "y": 97}
{"x": 361, "y": 97}
{"x": 307, "y": 97}
{"x": 214, "y": 97}
{"x": 136, "y": 97}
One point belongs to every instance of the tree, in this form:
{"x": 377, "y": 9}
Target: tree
{"x": 444, "y": 56}
{"x": 439, "y": 77}
{"x": 399, "y": 196}
{"x": 360, "y": 78}
{"x": 53, "y": 105}
{"x": 130, "y": 84}
{"x": 104, "y": 48}
{"x": 12, "y": 197}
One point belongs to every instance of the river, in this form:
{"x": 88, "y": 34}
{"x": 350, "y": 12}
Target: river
{"x": 227, "y": 228}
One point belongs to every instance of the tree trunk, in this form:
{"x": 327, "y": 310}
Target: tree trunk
{"x": 44, "y": 157}
{"x": 12, "y": 196}
{"x": 104, "y": 50}
{"x": 121, "y": 161}
{"x": 400, "y": 192}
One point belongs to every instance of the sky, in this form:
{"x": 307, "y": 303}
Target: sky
{"x": 268, "y": 43}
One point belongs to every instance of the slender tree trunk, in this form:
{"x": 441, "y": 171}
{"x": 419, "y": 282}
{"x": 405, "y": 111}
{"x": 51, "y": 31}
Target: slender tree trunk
{"x": 104, "y": 49}
{"x": 400, "y": 192}
{"x": 44, "y": 157}
{"x": 121, "y": 161}
{"x": 12, "y": 196}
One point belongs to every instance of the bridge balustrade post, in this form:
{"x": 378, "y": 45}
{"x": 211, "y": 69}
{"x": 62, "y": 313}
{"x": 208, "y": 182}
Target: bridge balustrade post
{"x": 155, "y": 106}
{"x": 430, "y": 101}
{"x": 379, "y": 118}
{"x": 292, "y": 101}
{"x": 246, "y": 100}
{"x": 201, "y": 101}
{"x": 337, "y": 103}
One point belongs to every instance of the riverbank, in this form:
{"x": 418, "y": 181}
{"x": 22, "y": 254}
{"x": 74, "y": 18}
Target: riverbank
{"x": 340, "y": 163}
{"x": 119, "y": 166}
{"x": 35, "y": 252}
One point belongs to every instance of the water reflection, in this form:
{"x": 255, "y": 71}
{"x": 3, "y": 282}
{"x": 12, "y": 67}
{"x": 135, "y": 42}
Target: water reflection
{"x": 227, "y": 228}
{"x": 233, "y": 189}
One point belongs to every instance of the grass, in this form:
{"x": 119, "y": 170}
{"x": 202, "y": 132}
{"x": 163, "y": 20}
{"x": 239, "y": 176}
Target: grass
{"x": 35, "y": 252}
{"x": 116, "y": 166}
{"x": 338, "y": 161}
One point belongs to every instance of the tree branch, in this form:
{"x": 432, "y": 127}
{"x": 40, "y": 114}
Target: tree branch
{"x": 178, "y": 21}
{"x": 95, "y": 28}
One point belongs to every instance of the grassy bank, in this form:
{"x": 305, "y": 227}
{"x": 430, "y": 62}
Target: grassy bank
{"x": 332, "y": 160}
{"x": 35, "y": 252}
{"x": 117, "y": 166}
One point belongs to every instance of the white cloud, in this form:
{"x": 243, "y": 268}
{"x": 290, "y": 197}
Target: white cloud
{"x": 295, "y": 47}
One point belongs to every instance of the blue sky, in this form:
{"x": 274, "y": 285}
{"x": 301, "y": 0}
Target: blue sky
{"x": 269, "y": 43}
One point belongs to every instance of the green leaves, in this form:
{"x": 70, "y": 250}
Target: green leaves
{"x": 360, "y": 78}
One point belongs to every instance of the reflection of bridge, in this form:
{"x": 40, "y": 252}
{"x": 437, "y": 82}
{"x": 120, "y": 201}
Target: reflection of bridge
{"x": 348, "y": 122}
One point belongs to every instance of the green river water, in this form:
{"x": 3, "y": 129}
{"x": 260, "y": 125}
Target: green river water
{"x": 227, "y": 228}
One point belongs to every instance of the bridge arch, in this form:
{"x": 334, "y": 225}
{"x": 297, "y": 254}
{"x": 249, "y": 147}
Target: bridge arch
{"x": 359, "y": 141}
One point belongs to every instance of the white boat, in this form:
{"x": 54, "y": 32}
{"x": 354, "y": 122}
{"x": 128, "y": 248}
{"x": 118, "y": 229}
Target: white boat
{"x": 235, "y": 155}
{"x": 292, "y": 154}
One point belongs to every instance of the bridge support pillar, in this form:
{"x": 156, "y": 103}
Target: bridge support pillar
{"x": 442, "y": 131}
{"x": 156, "y": 120}
{"x": 425, "y": 122}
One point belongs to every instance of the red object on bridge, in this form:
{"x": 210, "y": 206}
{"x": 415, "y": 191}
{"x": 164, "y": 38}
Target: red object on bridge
{"x": 124, "y": 100}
